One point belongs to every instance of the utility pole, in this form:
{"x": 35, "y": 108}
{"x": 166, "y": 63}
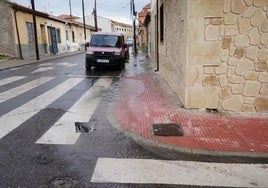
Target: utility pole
{"x": 35, "y": 32}
{"x": 95, "y": 16}
{"x": 134, "y": 28}
{"x": 70, "y": 6}
{"x": 85, "y": 37}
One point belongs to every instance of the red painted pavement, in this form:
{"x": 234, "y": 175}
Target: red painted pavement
{"x": 144, "y": 101}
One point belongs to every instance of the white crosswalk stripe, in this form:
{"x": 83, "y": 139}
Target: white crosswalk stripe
{"x": 63, "y": 131}
{"x": 23, "y": 88}
{"x": 16, "y": 117}
{"x": 10, "y": 80}
{"x": 146, "y": 171}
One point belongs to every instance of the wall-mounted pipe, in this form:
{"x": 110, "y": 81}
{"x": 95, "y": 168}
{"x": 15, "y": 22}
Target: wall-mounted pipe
{"x": 18, "y": 33}
{"x": 157, "y": 38}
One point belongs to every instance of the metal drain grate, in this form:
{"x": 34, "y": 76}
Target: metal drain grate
{"x": 167, "y": 129}
{"x": 83, "y": 127}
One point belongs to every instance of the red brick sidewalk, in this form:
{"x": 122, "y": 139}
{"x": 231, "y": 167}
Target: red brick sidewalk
{"x": 144, "y": 101}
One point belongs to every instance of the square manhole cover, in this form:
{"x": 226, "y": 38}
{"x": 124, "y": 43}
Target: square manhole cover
{"x": 167, "y": 129}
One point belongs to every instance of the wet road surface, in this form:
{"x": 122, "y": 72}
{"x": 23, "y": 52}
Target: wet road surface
{"x": 38, "y": 149}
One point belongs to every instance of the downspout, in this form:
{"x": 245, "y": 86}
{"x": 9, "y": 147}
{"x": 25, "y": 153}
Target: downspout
{"x": 157, "y": 38}
{"x": 18, "y": 35}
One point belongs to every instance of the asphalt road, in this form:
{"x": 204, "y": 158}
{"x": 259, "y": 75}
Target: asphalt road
{"x": 40, "y": 146}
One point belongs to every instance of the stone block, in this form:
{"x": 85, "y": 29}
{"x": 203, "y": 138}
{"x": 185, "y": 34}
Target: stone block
{"x": 234, "y": 103}
{"x": 227, "y": 6}
{"x": 248, "y": 108}
{"x": 264, "y": 26}
{"x": 232, "y": 50}
{"x": 242, "y": 40}
{"x": 258, "y": 18}
{"x": 226, "y": 42}
{"x": 252, "y": 52}
{"x": 263, "y": 55}
{"x": 233, "y": 61}
{"x": 260, "y": 3}
{"x": 236, "y": 80}
{"x": 209, "y": 69}
{"x": 239, "y": 52}
{"x": 264, "y": 89}
{"x": 203, "y": 97}
{"x": 249, "y": 100}
{"x": 237, "y": 88}
{"x": 248, "y": 2}
{"x": 238, "y": 6}
{"x": 223, "y": 81}
{"x": 254, "y": 37}
{"x": 210, "y": 80}
{"x": 216, "y": 21}
{"x": 212, "y": 32}
{"x": 264, "y": 38}
{"x": 263, "y": 77}
{"x": 225, "y": 93}
{"x": 251, "y": 75}
{"x": 261, "y": 104}
{"x": 230, "y": 19}
{"x": 250, "y": 12}
{"x": 252, "y": 88}
{"x": 244, "y": 25}
{"x": 243, "y": 66}
{"x": 231, "y": 71}
{"x": 225, "y": 55}
{"x": 262, "y": 66}
{"x": 222, "y": 69}
{"x": 231, "y": 30}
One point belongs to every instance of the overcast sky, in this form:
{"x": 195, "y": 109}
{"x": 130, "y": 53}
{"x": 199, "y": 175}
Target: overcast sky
{"x": 118, "y": 10}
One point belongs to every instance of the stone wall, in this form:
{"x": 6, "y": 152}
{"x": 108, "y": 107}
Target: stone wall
{"x": 242, "y": 75}
{"x": 172, "y": 51}
{"x": 215, "y": 52}
{"x": 6, "y": 30}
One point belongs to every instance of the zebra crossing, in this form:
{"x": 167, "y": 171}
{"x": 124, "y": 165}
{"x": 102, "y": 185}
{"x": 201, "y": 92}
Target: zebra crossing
{"x": 63, "y": 131}
{"x": 166, "y": 172}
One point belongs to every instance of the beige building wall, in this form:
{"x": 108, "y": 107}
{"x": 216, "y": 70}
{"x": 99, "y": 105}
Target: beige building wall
{"x": 219, "y": 59}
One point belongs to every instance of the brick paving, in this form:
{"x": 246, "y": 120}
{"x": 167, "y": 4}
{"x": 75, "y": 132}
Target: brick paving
{"x": 144, "y": 101}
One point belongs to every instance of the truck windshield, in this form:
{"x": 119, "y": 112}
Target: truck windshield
{"x": 105, "y": 41}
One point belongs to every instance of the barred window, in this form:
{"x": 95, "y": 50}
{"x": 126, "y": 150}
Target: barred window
{"x": 30, "y": 31}
{"x": 58, "y": 36}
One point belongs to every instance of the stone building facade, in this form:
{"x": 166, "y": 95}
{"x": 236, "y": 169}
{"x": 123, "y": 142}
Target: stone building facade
{"x": 6, "y": 30}
{"x": 213, "y": 53}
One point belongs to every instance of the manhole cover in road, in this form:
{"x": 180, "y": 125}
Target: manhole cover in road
{"x": 167, "y": 129}
{"x": 63, "y": 182}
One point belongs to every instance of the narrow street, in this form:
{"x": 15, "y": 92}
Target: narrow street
{"x": 56, "y": 131}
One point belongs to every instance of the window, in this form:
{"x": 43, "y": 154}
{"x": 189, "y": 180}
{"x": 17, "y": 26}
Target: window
{"x": 106, "y": 41}
{"x": 67, "y": 35}
{"x": 30, "y": 31}
{"x": 73, "y": 36}
{"x": 162, "y": 23}
{"x": 58, "y": 36}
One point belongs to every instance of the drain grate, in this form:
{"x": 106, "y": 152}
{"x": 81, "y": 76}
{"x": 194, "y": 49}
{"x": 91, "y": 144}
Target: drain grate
{"x": 83, "y": 127}
{"x": 167, "y": 129}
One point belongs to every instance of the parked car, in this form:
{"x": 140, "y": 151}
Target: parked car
{"x": 106, "y": 49}
{"x": 130, "y": 41}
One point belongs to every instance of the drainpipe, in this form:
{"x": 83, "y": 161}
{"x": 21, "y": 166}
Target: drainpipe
{"x": 157, "y": 39}
{"x": 35, "y": 31}
{"x": 18, "y": 34}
